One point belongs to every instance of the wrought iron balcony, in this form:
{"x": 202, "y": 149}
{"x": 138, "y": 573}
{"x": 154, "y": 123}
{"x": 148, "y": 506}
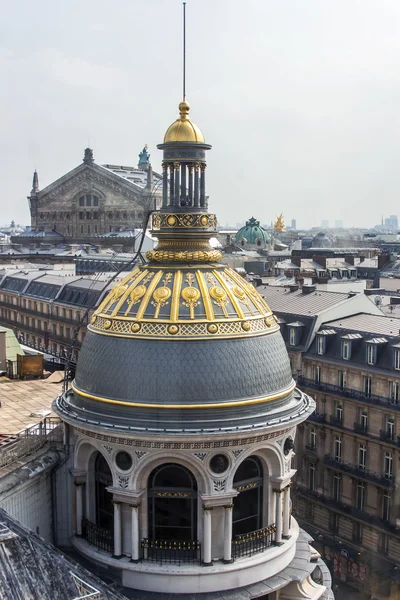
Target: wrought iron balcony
{"x": 345, "y": 392}
{"x": 360, "y": 473}
{"x": 253, "y": 542}
{"x": 171, "y": 551}
{"x": 346, "y": 509}
{"x": 311, "y": 447}
{"x": 388, "y": 436}
{"x": 336, "y": 421}
{"x": 101, "y": 538}
{"x": 317, "y": 417}
{"x": 360, "y": 427}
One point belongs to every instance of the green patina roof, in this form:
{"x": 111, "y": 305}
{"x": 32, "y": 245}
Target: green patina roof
{"x": 12, "y": 345}
{"x": 252, "y": 232}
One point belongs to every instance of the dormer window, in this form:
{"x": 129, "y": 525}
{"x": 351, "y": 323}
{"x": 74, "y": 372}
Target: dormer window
{"x": 371, "y": 354}
{"x": 295, "y": 332}
{"x": 321, "y": 343}
{"x": 346, "y": 349}
{"x": 396, "y": 360}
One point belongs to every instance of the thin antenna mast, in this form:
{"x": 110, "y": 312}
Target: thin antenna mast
{"x": 184, "y": 51}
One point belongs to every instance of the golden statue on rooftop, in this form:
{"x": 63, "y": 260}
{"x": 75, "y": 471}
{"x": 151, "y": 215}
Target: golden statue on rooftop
{"x": 279, "y": 225}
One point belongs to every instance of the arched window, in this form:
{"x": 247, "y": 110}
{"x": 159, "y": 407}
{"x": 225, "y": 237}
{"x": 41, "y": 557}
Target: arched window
{"x": 247, "y": 508}
{"x": 172, "y": 501}
{"x": 104, "y": 506}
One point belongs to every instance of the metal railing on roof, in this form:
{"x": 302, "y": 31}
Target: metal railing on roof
{"x": 29, "y": 440}
{"x": 85, "y": 590}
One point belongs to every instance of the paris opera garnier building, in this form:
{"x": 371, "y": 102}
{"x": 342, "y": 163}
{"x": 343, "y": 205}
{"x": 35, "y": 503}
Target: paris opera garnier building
{"x": 182, "y": 418}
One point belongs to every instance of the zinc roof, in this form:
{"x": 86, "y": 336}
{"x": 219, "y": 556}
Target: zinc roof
{"x": 281, "y": 300}
{"x": 373, "y": 324}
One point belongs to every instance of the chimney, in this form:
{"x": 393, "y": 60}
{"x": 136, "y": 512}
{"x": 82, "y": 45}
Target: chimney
{"x": 320, "y": 260}
{"x": 349, "y": 258}
{"x": 383, "y": 259}
{"x": 293, "y": 288}
{"x": 308, "y": 289}
{"x": 296, "y": 260}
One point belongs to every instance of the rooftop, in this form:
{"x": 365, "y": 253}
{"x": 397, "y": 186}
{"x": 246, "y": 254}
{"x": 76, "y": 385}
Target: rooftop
{"x": 25, "y": 403}
{"x": 373, "y": 324}
{"x": 282, "y": 300}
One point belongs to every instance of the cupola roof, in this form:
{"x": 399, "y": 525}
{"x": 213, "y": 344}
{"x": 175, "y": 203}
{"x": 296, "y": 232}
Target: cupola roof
{"x": 183, "y": 129}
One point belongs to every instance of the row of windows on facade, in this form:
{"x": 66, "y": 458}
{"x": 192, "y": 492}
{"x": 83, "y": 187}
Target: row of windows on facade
{"x": 393, "y": 386}
{"x": 371, "y": 352}
{"x": 89, "y": 214}
{"x": 362, "y": 425}
{"x": 360, "y": 492}
{"x": 357, "y": 532}
{"x": 362, "y": 457}
{"x": 57, "y": 329}
{"x": 42, "y": 307}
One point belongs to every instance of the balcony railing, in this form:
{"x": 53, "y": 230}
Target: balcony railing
{"x": 311, "y": 447}
{"x": 389, "y": 437}
{"x": 360, "y": 428}
{"x": 360, "y": 473}
{"x": 253, "y": 542}
{"x": 349, "y": 393}
{"x": 171, "y": 551}
{"x": 317, "y": 417}
{"x": 101, "y": 538}
{"x": 346, "y": 509}
{"x": 337, "y": 421}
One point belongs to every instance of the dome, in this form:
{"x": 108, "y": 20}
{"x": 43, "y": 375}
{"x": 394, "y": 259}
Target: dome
{"x": 181, "y": 349}
{"x": 183, "y": 129}
{"x": 253, "y": 233}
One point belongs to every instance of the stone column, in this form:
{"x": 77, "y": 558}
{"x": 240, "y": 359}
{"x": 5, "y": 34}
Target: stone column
{"x": 207, "y": 536}
{"x": 278, "y": 516}
{"x": 165, "y": 185}
{"x": 286, "y": 512}
{"x": 171, "y": 186}
{"x": 183, "y": 194}
{"x": 177, "y": 185}
{"x": 190, "y": 176}
{"x": 196, "y": 185}
{"x": 79, "y": 507}
{"x": 228, "y": 533}
{"x": 135, "y": 557}
{"x": 203, "y": 185}
{"x": 117, "y": 530}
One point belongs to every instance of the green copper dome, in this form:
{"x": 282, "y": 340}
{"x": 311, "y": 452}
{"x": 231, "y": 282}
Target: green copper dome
{"x": 253, "y": 233}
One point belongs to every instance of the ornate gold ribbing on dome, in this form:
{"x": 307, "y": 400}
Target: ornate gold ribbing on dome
{"x": 183, "y": 129}
{"x": 182, "y": 303}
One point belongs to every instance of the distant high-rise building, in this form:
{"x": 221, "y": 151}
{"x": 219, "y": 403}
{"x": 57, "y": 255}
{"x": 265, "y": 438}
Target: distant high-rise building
{"x": 324, "y": 224}
{"x": 339, "y": 224}
{"x": 293, "y": 224}
{"x": 393, "y": 222}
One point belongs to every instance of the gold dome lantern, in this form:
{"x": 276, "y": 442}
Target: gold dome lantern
{"x": 183, "y": 129}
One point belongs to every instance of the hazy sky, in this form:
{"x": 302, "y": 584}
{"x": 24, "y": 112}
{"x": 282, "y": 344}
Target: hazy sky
{"x": 299, "y": 98}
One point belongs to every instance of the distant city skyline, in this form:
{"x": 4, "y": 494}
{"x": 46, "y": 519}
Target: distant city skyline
{"x": 302, "y": 113}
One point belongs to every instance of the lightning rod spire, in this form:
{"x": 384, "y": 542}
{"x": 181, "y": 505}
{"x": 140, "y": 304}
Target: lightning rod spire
{"x": 184, "y": 51}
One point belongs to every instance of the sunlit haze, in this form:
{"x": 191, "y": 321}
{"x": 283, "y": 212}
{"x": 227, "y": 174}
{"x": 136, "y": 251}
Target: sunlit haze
{"x": 300, "y": 99}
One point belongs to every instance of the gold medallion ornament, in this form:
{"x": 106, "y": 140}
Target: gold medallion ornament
{"x": 246, "y": 326}
{"x": 107, "y": 324}
{"x": 173, "y": 329}
{"x": 135, "y": 327}
{"x": 212, "y": 328}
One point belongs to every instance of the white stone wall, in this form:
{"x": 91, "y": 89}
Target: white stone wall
{"x": 30, "y": 503}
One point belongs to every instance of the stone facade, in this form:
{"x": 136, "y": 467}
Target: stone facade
{"x": 93, "y": 200}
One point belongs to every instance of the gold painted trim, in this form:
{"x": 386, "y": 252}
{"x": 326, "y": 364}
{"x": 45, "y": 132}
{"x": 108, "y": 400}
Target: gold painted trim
{"x": 230, "y": 293}
{"x": 250, "y": 295}
{"x": 147, "y": 296}
{"x": 205, "y": 295}
{"x": 174, "y": 314}
{"x": 181, "y": 338}
{"x": 124, "y": 297}
{"x": 188, "y": 406}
